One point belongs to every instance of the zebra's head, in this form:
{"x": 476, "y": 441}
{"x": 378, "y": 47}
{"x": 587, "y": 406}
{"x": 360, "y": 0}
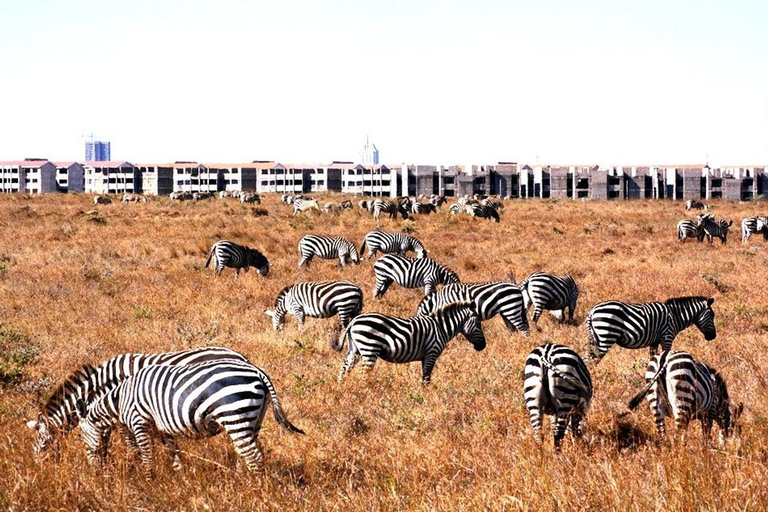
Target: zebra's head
{"x": 259, "y": 262}
{"x": 95, "y": 432}
{"x": 45, "y": 438}
{"x": 705, "y": 320}
{"x": 726, "y": 415}
{"x": 277, "y": 320}
{"x": 468, "y": 320}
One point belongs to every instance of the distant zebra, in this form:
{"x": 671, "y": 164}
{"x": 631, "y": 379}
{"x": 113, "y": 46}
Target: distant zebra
{"x": 493, "y": 203}
{"x": 422, "y": 208}
{"x": 374, "y": 336}
{"x": 250, "y": 198}
{"x": 286, "y": 198}
{"x": 390, "y": 207}
{"x": 754, "y": 225}
{"x": 456, "y": 208}
{"x": 490, "y": 299}
{"x": 193, "y": 401}
{"x": 365, "y": 205}
{"x": 690, "y": 229}
{"x": 685, "y": 389}
{"x": 133, "y": 198}
{"x": 647, "y": 325}
{"x": 181, "y": 196}
{"x": 199, "y": 196}
{"x": 102, "y": 200}
{"x": 483, "y": 211}
{"x": 410, "y": 273}
{"x": 693, "y": 204}
{"x": 317, "y": 300}
{"x": 558, "y": 383}
{"x": 714, "y": 228}
{"x": 553, "y": 293}
{"x": 328, "y": 248}
{"x": 232, "y": 255}
{"x": 345, "y": 205}
{"x": 58, "y": 416}
{"x": 302, "y": 205}
{"x": 388, "y": 243}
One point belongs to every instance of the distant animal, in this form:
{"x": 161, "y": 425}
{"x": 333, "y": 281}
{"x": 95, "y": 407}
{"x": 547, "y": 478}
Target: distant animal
{"x": 493, "y": 203}
{"x": 390, "y": 207}
{"x": 491, "y": 299}
{"x": 693, "y": 204}
{"x": 647, "y": 325}
{"x": 387, "y": 243}
{"x": 345, "y": 205}
{"x": 754, "y": 225}
{"x": 194, "y": 401}
{"x": 686, "y": 389}
{"x": 423, "y": 208}
{"x": 134, "y": 198}
{"x": 287, "y": 199}
{"x": 557, "y": 382}
{"x": 547, "y": 292}
{"x": 365, "y": 205}
{"x": 199, "y": 196}
{"x": 181, "y": 196}
{"x": 690, "y": 229}
{"x": 223, "y": 194}
{"x": 373, "y": 336}
{"x": 250, "y": 198}
{"x": 714, "y": 229}
{"x": 317, "y": 300}
{"x": 483, "y": 211}
{"x": 102, "y": 200}
{"x": 410, "y": 273}
{"x": 229, "y": 254}
{"x": 302, "y": 205}
{"x": 456, "y": 208}
{"x": 328, "y": 248}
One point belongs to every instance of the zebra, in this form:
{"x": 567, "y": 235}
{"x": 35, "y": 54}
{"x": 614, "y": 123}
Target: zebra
{"x": 199, "y": 196}
{"x": 714, "y": 228}
{"x": 695, "y": 205}
{"x": 550, "y": 292}
{"x": 410, "y": 273}
{"x": 455, "y": 208}
{"x": 389, "y": 243}
{"x": 686, "y": 389}
{"x": 501, "y": 297}
{"x": 230, "y": 254}
{"x": 647, "y": 325}
{"x": 754, "y": 225}
{"x": 423, "y": 208}
{"x": 557, "y": 382}
{"x": 317, "y": 300}
{"x": 250, "y": 198}
{"x": 493, "y": 203}
{"x": 483, "y": 211}
{"x": 345, "y": 205}
{"x": 690, "y": 229}
{"x": 58, "y": 416}
{"x": 133, "y": 198}
{"x": 286, "y": 198}
{"x": 194, "y": 401}
{"x": 374, "y": 336}
{"x": 302, "y": 205}
{"x": 102, "y": 200}
{"x": 390, "y": 207}
{"x": 181, "y": 196}
{"x": 327, "y": 247}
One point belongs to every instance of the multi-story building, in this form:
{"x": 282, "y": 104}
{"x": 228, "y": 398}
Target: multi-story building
{"x": 196, "y": 177}
{"x": 112, "y": 178}
{"x": 70, "y": 177}
{"x": 370, "y": 153}
{"x": 31, "y": 176}
{"x": 98, "y": 151}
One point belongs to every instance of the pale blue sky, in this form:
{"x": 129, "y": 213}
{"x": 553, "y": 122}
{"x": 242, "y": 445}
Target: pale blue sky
{"x": 446, "y": 82}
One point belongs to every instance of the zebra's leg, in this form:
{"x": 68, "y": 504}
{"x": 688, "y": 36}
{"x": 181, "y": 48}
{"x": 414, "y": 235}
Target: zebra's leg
{"x": 427, "y": 365}
{"x": 353, "y": 355}
{"x": 537, "y": 311}
{"x": 560, "y": 426}
{"x": 343, "y": 260}
{"x": 237, "y": 273}
{"x": 428, "y": 288}
{"x": 658, "y": 414}
{"x": 245, "y": 443}
{"x": 218, "y": 270}
{"x": 306, "y": 260}
{"x": 172, "y": 449}
{"x": 576, "y": 419}
{"x": 299, "y": 314}
{"x": 127, "y": 435}
{"x": 381, "y": 287}
{"x": 140, "y": 431}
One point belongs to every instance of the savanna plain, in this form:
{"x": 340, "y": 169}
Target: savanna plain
{"x": 80, "y": 284}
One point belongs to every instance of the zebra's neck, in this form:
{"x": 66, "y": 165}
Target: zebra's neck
{"x": 682, "y": 313}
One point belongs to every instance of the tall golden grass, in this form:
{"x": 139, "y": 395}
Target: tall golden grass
{"x": 79, "y": 284}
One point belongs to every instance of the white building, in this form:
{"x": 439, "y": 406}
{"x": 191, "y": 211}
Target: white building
{"x": 33, "y": 176}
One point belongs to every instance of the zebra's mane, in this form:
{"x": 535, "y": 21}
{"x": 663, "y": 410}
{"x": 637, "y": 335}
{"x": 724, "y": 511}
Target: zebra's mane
{"x": 453, "y": 306}
{"x": 676, "y": 301}
{"x": 76, "y": 380}
{"x": 281, "y": 294}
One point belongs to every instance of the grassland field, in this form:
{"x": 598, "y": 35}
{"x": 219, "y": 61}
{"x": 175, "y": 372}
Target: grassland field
{"x": 80, "y": 284}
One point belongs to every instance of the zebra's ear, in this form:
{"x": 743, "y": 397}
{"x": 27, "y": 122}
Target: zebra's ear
{"x": 710, "y": 301}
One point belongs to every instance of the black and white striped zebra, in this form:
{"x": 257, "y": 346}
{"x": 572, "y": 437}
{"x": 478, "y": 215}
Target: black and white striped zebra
{"x": 389, "y": 243}
{"x": 317, "y": 300}
{"x": 302, "y": 205}
{"x": 690, "y": 229}
{"x": 693, "y": 204}
{"x": 754, "y": 225}
{"x": 373, "y": 336}
{"x": 686, "y": 389}
{"x": 490, "y": 299}
{"x": 410, "y": 273}
{"x": 194, "y": 401}
{"x": 483, "y": 211}
{"x": 229, "y": 254}
{"x": 423, "y": 208}
{"x": 59, "y": 414}
{"x": 390, "y": 207}
{"x": 456, "y": 208}
{"x": 557, "y": 382}
{"x": 250, "y": 198}
{"x": 548, "y": 292}
{"x": 713, "y": 228}
{"x": 647, "y": 325}
{"x": 328, "y": 248}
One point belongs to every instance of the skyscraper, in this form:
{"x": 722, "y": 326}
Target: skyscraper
{"x": 370, "y": 154}
{"x": 97, "y": 151}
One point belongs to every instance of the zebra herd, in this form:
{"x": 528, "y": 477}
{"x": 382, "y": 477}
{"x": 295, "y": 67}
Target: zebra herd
{"x": 705, "y": 225}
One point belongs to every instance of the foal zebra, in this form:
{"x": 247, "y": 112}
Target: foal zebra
{"x": 685, "y": 389}
{"x": 388, "y": 243}
{"x": 230, "y": 254}
{"x": 483, "y": 211}
{"x": 550, "y": 292}
{"x": 714, "y": 228}
{"x": 317, "y": 300}
{"x": 557, "y": 382}
{"x": 192, "y": 401}
{"x": 410, "y": 273}
{"x": 690, "y": 229}
{"x": 490, "y": 299}
{"x": 754, "y": 225}
{"x": 58, "y": 415}
{"x": 374, "y": 336}
{"x": 302, "y": 205}
{"x": 390, "y": 207}
{"x": 328, "y": 248}
{"x": 647, "y": 325}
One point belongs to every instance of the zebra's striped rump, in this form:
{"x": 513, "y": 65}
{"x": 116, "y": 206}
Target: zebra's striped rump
{"x": 754, "y": 225}
{"x": 327, "y": 247}
{"x": 557, "y": 382}
{"x": 690, "y": 229}
{"x": 410, "y": 273}
{"x": 548, "y": 292}
{"x": 714, "y": 228}
{"x": 391, "y": 243}
{"x": 390, "y": 207}
{"x": 317, "y": 300}
{"x": 229, "y": 254}
{"x": 483, "y": 211}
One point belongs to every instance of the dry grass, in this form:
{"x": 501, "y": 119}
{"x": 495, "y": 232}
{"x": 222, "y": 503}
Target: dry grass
{"x": 80, "y": 283}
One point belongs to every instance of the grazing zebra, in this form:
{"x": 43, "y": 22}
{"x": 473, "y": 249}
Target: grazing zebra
{"x": 557, "y": 383}
{"x": 483, "y": 211}
{"x": 317, "y": 300}
{"x": 714, "y": 228}
{"x": 410, "y": 273}
{"x": 423, "y": 208}
{"x": 685, "y": 389}
{"x": 550, "y": 292}
{"x": 390, "y": 207}
{"x": 327, "y": 247}
{"x": 345, "y": 205}
{"x": 250, "y": 198}
{"x": 58, "y": 416}
{"x": 133, "y": 198}
{"x": 693, "y": 204}
{"x": 102, "y": 200}
{"x": 389, "y": 243}
{"x": 690, "y": 229}
{"x": 199, "y": 196}
{"x": 181, "y": 196}
{"x": 230, "y": 254}
{"x": 302, "y": 205}
{"x": 754, "y": 225}
{"x": 647, "y": 325}
{"x": 286, "y": 198}
{"x": 194, "y": 401}
{"x": 455, "y": 208}
{"x": 374, "y": 336}
{"x": 496, "y": 204}
{"x": 502, "y": 298}
{"x": 223, "y": 194}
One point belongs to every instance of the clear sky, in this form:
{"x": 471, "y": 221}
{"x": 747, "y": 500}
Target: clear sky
{"x": 439, "y": 82}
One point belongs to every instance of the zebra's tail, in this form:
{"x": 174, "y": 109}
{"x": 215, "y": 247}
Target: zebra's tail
{"x": 277, "y": 408}
{"x": 583, "y": 390}
{"x": 594, "y": 347}
{"x": 643, "y": 392}
{"x": 362, "y": 248}
{"x": 338, "y": 343}
{"x": 208, "y": 261}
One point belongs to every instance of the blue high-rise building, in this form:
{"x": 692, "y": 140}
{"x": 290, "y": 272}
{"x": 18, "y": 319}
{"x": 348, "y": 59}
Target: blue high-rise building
{"x": 97, "y": 151}
{"x": 370, "y": 154}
